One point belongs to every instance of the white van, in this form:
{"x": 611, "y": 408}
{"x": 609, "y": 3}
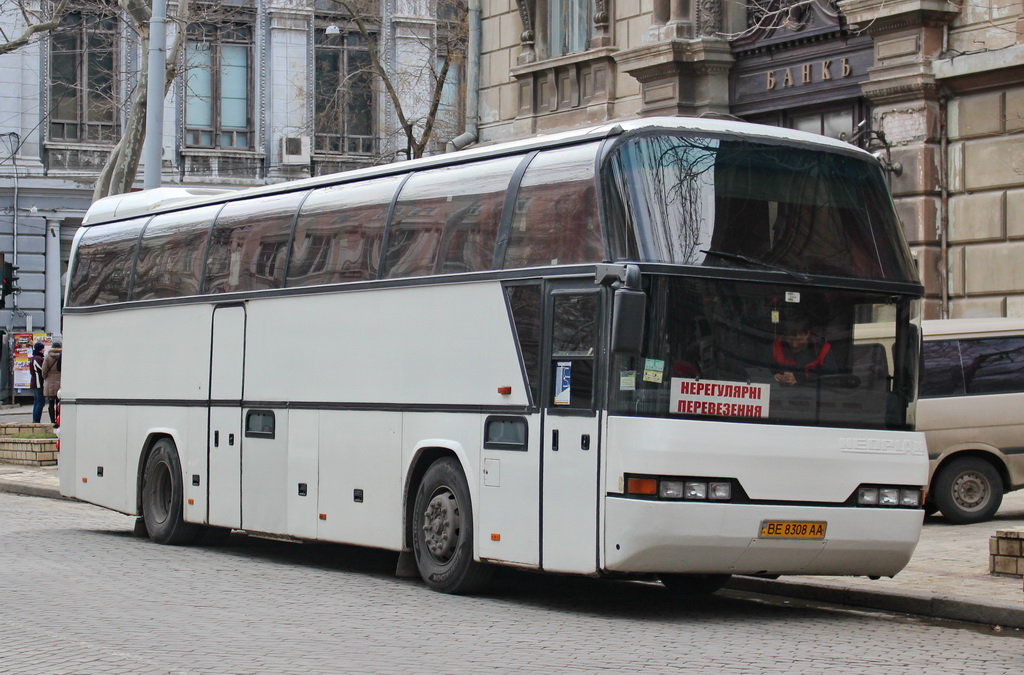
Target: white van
{"x": 971, "y": 410}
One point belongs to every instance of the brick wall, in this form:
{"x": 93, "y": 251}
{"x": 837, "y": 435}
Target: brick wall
{"x": 27, "y": 451}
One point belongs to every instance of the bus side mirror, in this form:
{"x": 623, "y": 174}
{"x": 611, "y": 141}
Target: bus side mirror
{"x": 629, "y": 309}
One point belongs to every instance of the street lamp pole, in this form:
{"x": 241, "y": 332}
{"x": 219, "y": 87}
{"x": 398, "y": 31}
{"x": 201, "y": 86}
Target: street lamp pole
{"x": 153, "y": 150}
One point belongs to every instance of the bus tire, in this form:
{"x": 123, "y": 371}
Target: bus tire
{"x": 694, "y": 584}
{"x": 968, "y": 490}
{"x": 162, "y": 497}
{"x": 442, "y": 537}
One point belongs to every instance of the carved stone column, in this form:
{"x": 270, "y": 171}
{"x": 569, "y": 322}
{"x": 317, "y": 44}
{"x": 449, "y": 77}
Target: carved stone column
{"x": 680, "y": 77}
{"x": 528, "y": 37}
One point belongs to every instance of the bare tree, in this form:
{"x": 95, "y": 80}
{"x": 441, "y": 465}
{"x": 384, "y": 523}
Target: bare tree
{"x": 34, "y": 20}
{"x": 418, "y": 119}
{"x": 119, "y": 172}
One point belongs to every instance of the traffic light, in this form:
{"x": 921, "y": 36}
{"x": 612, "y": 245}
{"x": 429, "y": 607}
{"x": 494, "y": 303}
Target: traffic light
{"x": 10, "y": 276}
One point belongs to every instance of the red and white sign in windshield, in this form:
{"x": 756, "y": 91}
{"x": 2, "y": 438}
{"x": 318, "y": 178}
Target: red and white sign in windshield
{"x": 718, "y": 398}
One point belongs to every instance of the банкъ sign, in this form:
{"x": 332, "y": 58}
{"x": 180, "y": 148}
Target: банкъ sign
{"x": 808, "y": 73}
{"x": 785, "y": 76}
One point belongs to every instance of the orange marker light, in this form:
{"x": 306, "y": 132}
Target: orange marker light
{"x": 191, "y": 502}
{"x": 642, "y": 486}
{"x": 84, "y": 479}
{"x": 323, "y": 516}
{"x": 505, "y": 391}
{"x": 495, "y": 536}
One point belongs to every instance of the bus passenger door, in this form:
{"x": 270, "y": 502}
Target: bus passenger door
{"x": 569, "y": 473}
{"x": 224, "y": 439}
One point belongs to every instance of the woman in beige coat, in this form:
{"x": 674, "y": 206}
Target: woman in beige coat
{"x": 51, "y": 379}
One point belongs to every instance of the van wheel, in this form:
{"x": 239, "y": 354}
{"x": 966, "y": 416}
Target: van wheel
{"x": 968, "y": 490}
{"x": 442, "y": 537}
{"x": 694, "y": 584}
{"x": 162, "y": 494}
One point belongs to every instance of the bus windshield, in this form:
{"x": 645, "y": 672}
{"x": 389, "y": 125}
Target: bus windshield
{"x": 772, "y": 353}
{"x": 754, "y": 204}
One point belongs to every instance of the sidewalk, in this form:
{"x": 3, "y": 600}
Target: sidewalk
{"x": 946, "y": 579}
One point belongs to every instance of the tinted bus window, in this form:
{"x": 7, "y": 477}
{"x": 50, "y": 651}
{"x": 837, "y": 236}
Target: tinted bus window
{"x": 708, "y": 201}
{"x": 339, "y": 232}
{"x": 942, "y": 375}
{"x": 555, "y": 221}
{"x": 103, "y": 264}
{"x": 171, "y": 254}
{"x": 527, "y": 312}
{"x": 993, "y": 365}
{"x": 446, "y": 220}
{"x": 249, "y": 244}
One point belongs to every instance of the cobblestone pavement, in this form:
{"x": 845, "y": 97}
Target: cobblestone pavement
{"x": 80, "y": 594}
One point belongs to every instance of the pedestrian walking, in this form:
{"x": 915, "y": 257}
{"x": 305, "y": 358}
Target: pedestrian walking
{"x": 51, "y": 379}
{"x": 36, "y": 369}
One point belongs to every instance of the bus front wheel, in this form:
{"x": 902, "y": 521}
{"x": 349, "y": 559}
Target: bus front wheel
{"x": 162, "y": 493}
{"x": 968, "y": 490}
{"x": 442, "y": 538}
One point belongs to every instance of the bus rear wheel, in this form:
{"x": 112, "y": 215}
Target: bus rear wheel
{"x": 442, "y": 537}
{"x": 162, "y": 497}
{"x": 694, "y": 584}
{"x": 968, "y": 490}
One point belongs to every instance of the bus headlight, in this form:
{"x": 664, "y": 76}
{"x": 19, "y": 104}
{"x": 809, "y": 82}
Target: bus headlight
{"x": 670, "y": 489}
{"x": 676, "y": 488}
{"x": 696, "y": 490}
{"x": 867, "y": 497}
{"x": 720, "y": 491}
{"x": 908, "y": 498}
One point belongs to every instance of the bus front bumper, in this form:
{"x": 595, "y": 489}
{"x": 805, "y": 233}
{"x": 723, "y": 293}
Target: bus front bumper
{"x": 705, "y": 538}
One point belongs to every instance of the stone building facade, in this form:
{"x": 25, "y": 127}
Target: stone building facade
{"x": 934, "y": 88}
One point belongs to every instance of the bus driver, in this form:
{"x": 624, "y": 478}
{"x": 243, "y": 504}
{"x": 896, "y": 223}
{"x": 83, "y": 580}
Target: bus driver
{"x": 798, "y": 355}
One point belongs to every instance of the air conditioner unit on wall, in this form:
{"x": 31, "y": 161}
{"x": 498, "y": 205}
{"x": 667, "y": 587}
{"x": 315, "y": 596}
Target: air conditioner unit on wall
{"x": 295, "y": 150}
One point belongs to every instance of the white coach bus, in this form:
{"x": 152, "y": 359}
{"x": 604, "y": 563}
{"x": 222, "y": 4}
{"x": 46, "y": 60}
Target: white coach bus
{"x": 572, "y": 354}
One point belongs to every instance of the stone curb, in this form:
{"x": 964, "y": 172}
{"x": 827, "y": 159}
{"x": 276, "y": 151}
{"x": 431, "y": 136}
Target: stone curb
{"x": 919, "y": 604}
{"x": 17, "y": 488}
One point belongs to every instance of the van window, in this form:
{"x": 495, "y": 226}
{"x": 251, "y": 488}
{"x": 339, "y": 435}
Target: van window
{"x": 993, "y": 365}
{"x": 942, "y": 374}
{"x": 973, "y": 367}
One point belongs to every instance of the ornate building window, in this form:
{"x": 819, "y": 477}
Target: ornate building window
{"x": 567, "y": 26}
{"x": 83, "y": 79}
{"x": 217, "y": 85}
{"x": 344, "y": 117}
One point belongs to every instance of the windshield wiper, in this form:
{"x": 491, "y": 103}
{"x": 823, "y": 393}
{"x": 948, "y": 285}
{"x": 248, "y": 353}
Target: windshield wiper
{"x": 754, "y": 261}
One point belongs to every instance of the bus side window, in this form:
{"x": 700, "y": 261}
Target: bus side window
{"x": 249, "y": 243}
{"x": 555, "y": 221}
{"x": 573, "y": 350}
{"x": 171, "y": 254}
{"x": 446, "y": 220}
{"x": 103, "y": 267}
{"x": 339, "y": 232}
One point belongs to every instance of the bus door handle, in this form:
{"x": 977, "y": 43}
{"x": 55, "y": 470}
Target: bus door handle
{"x": 585, "y": 442}
{"x": 216, "y": 439}
{"x": 231, "y": 439}
{"x": 554, "y": 440}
